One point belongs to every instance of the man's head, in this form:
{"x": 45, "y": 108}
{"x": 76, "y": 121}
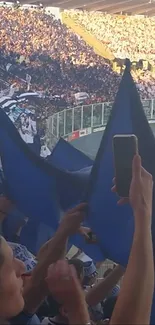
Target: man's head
{"x": 11, "y": 283}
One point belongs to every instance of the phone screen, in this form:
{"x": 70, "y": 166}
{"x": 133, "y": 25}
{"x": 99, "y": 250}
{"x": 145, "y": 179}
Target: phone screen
{"x": 125, "y": 147}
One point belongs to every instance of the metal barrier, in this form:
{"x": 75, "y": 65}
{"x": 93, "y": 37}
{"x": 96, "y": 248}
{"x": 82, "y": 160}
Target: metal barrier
{"x": 82, "y": 120}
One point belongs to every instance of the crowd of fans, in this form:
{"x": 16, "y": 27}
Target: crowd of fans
{"x": 61, "y": 64}
{"x": 126, "y": 36}
{"x": 51, "y": 289}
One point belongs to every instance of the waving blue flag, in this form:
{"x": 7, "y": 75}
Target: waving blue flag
{"x": 66, "y": 157}
{"x": 39, "y": 189}
{"x": 113, "y": 224}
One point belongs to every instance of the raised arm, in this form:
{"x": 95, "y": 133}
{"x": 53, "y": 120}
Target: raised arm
{"x": 66, "y": 289}
{"x": 135, "y": 299}
{"x": 36, "y": 289}
{"x": 99, "y": 291}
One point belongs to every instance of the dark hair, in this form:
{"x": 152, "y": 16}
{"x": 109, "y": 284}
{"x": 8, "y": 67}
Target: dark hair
{"x": 78, "y": 264}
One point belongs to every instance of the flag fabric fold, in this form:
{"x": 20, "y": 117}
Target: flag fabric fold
{"x": 39, "y": 189}
{"x": 42, "y": 189}
{"x": 113, "y": 224}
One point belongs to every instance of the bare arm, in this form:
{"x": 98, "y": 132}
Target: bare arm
{"x": 46, "y": 248}
{"x": 99, "y": 291}
{"x": 66, "y": 289}
{"x": 135, "y": 299}
{"x": 36, "y": 289}
{"x": 79, "y": 314}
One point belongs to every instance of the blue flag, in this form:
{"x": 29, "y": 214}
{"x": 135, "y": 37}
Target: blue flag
{"x": 66, "y": 157}
{"x": 114, "y": 225}
{"x": 39, "y": 189}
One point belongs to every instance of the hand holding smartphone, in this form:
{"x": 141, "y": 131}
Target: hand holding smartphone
{"x": 125, "y": 147}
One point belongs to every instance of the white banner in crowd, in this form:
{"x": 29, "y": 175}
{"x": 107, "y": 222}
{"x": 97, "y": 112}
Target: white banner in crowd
{"x": 12, "y": 90}
{"x": 8, "y": 66}
{"x": 80, "y": 97}
{"x": 28, "y": 80}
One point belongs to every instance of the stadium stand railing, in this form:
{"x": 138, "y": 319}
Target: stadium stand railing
{"x": 83, "y": 120}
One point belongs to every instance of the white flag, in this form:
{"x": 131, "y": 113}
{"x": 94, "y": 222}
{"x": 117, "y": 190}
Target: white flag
{"x": 8, "y": 66}
{"x": 28, "y": 80}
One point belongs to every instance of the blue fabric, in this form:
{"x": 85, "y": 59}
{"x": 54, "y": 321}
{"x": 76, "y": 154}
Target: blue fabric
{"x": 27, "y": 184}
{"x": 11, "y": 223}
{"x": 67, "y": 158}
{"x": 114, "y": 225}
{"x": 71, "y": 158}
{"x": 39, "y": 189}
{"x": 34, "y": 235}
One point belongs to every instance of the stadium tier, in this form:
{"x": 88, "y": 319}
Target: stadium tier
{"x": 42, "y": 55}
{"x": 126, "y": 36}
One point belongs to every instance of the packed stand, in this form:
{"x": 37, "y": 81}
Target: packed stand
{"x": 59, "y": 62}
{"x": 126, "y": 36}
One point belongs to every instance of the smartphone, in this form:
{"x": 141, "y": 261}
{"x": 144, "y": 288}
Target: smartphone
{"x": 125, "y": 146}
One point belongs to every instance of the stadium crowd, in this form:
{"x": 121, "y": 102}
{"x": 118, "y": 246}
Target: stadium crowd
{"x": 60, "y": 63}
{"x": 126, "y": 36}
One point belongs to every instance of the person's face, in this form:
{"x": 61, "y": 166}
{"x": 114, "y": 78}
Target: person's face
{"x": 11, "y": 283}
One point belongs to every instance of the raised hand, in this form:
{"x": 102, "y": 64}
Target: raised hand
{"x": 71, "y": 221}
{"x": 141, "y": 190}
{"x": 63, "y": 284}
{"x": 85, "y": 231}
